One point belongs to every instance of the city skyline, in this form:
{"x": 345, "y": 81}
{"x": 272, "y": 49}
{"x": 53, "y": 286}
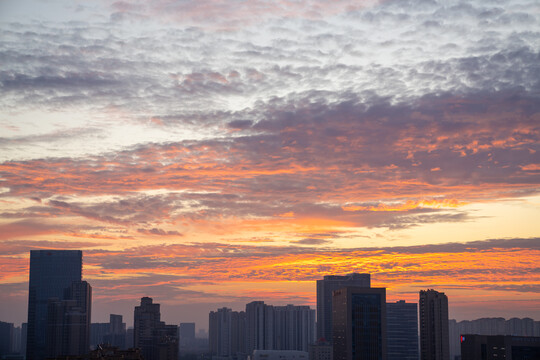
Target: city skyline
{"x": 213, "y": 153}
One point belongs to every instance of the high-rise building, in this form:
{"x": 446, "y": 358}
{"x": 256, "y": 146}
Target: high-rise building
{"x": 156, "y": 340}
{"x": 294, "y": 327}
{"x": 227, "y": 333}
{"x": 402, "y": 330}
{"x": 434, "y": 335}
{"x": 359, "y": 323}
{"x": 51, "y": 274}
{"x": 259, "y": 326}
{"x": 68, "y": 322}
{"x": 325, "y": 289}
{"x": 219, "y": 331}
{"x": 186, "y": 332}
{"x": 270, "y": 327}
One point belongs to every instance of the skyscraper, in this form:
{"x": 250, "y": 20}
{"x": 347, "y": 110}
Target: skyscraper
{"x": 156, "y": 340}
{"x": 325, "y": 288}
{"x": 51, "y": 274}
{"x": 359, "y": 324}
{"x": 434, "y": 339}
{"x": 402, "y": 330}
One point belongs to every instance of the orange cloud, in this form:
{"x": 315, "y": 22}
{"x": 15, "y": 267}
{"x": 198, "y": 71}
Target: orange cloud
{"x": 408, "y": 205}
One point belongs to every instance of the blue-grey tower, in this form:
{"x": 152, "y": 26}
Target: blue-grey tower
{"x": 52, "y": 273}
{"x": 402, "y": 330}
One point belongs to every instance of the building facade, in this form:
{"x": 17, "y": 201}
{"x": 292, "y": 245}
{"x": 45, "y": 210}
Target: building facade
{"x": 68, "y": 322}
{"x": 402, "y": 330}
{"x": 496, "y": 347}
{"x": 51, "y": 274}
{"x": 359, "y": 324}
{"x": 325, "y": 289}
{"x": 156, "y": 340}
{"x": 434, "y": 334}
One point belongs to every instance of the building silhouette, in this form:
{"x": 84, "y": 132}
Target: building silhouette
{"x": 294, "y": 327}
{"x": 259, "y": 326}
{"x": 325, "y": 289}
{"x": 116, "y": 333}
{"x": 6, "y": 338}
{"x": 51, "y": 274}
{"x": 156, "y": 340}
{"x": 187, "y": 334}
{"x": 68, "y": 322}
{"x": 402, "y": 330}
{"x": 434, "y": 334}
{"x": 495, "y": 347}
{"x": 227, "y": 333}
{"x": 359, "y": 324}
{"x": 490, "y": 326}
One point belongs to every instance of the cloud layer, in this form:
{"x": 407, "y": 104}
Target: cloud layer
{"x": 188, "y": 144}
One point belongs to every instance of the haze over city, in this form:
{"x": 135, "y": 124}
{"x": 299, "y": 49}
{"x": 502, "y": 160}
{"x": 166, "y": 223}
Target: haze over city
{"x": 212, "y": 153}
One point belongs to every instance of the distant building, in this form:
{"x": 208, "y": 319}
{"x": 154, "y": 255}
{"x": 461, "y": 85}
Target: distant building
{"x": 116, "y": 333}
{"x": 270, "y": 327}
{"x": 279, "y": 355}
{"x": 294, "y": 327}
{"x": 325, "y": 288}
{"x": 359, "y": 324}
{"x": 402, "y": 330}
{"x": 6, "y": 338}
{"x": 130, "y": 336}
{"x": 434, "y": 335}
{"x": 227, "y": 333}
{"x": 186, "y": 332}
{"x": 490, "y": 326}
{"x": 51, "y": 273}
{"x": 259, "y": 326}
{"x": 156, "y": 340}
{"x": 98, "y": 331}
{"x": 496, "y": 347}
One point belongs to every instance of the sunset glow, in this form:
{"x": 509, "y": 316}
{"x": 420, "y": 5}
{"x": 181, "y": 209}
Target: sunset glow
{"x": 202, "y": 153}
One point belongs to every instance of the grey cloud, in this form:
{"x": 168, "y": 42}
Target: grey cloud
{"x": 311, "y": 241}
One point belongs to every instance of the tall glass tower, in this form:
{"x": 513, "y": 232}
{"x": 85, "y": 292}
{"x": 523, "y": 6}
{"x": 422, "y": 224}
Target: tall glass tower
{"x": 51, "y": 274}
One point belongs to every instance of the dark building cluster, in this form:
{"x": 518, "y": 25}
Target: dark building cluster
{"x": 352, "y": 321}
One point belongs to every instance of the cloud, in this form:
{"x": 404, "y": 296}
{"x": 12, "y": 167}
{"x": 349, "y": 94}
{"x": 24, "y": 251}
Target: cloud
{"x": 160, "y": 232}
{"x": 311, "y": 241}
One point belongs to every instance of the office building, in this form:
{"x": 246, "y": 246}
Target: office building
{"x": 325, "y": 289}
{"x": 68, "y": 322}
{"x": 156, "y": 340}
{"x": 434, "y": 334}
{"x": 51, "y": 273}
{"x": 359, "y": 324}
{"x": 496, "y": 347}
{"x": 402, "y": 330}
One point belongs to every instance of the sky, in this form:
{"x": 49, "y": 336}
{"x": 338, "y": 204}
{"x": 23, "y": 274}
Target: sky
{"x": 211, "y": 153}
